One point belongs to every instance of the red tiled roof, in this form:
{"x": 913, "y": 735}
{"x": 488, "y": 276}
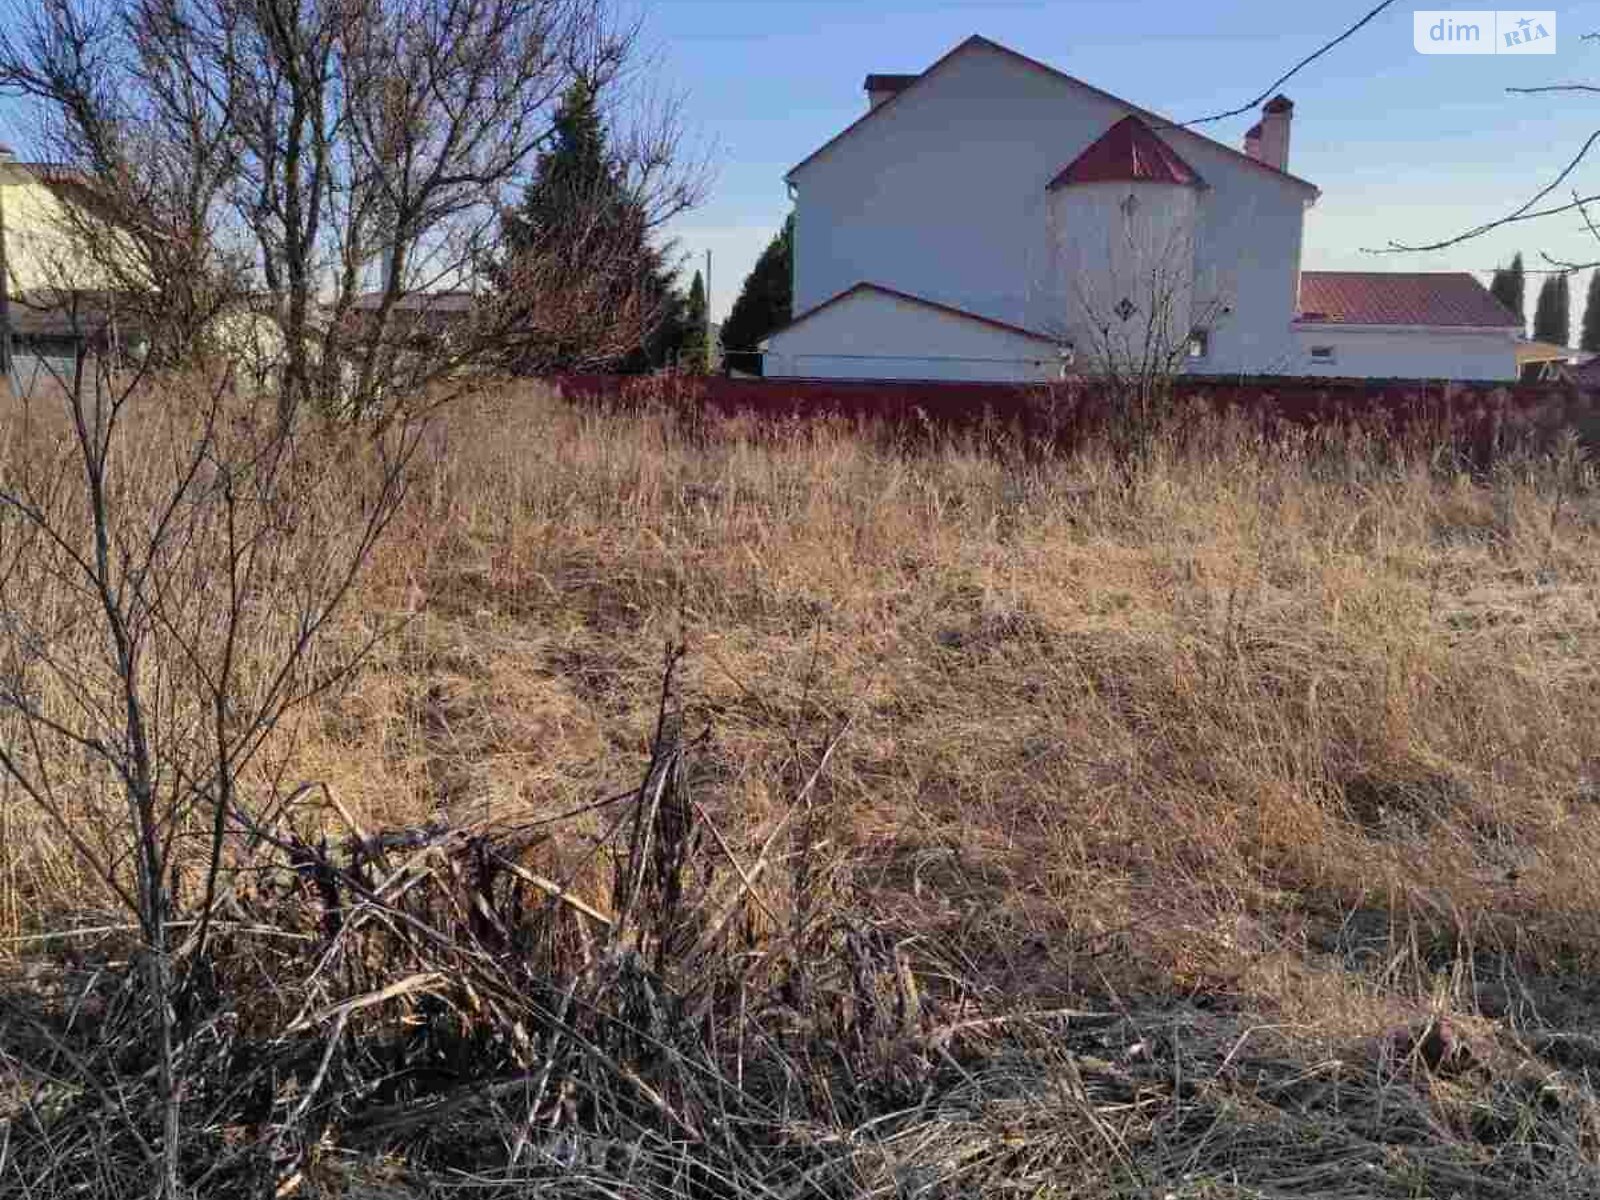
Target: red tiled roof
{"x": 1394, "y": 298}
{"x": 1128, "y": 150}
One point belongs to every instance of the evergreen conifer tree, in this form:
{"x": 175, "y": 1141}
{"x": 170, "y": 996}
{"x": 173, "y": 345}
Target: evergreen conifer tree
{"x": 1591, "y": 316}
{"x": 592, "y": 240}
{"x": 1547, "y": 323}
{"x": 1563, "y": 309}
{"x": 693, "y": 357}
{"x": 764, "y": 304}
{"x": 1509, "y": 287}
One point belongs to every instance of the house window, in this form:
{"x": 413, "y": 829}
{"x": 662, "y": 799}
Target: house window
{"x": 1322, "y": 354}
{"x": 1200, "y": 343}
{"x": 1065, "y": 357}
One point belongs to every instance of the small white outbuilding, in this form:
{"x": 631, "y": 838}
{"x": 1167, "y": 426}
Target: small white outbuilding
{"x": 870, "y": 331}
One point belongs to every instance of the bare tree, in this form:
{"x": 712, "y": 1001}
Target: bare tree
{"x": 169, "y": 567}
{"x": 1559, "y": 196}
{"x": 140, "y": 173}
{"x": 336, "y": 157}
{"x": 1136, "y": 308}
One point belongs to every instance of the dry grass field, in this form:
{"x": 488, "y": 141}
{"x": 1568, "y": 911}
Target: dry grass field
{"x": 1271, "y": 720}
{"x": 1281, "y": 758}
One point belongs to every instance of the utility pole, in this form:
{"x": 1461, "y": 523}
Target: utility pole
{"x": 710, "y": 355}
{"x": 7, "y": 157}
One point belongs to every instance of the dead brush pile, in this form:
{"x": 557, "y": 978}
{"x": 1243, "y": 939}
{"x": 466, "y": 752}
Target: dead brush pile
{"x": 414, "y": 1012}
{"x": 1003, "y": 830}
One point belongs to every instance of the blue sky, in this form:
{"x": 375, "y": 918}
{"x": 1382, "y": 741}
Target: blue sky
{"x": 1404, "y": 146}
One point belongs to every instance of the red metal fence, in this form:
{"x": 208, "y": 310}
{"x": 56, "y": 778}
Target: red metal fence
{"x": 1482, "y": 417}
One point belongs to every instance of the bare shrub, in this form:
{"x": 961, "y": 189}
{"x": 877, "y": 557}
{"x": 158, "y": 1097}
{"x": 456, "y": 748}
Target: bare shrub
{"x": 1130, "y": 323}
{"x": 327, "y": 169}
{"x": 171, "y": 557}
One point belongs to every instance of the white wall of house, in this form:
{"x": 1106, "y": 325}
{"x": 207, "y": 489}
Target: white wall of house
{"x": 1407, "y": 352}
{"x": 870, "y": 335}
{"x": 943, "y": 194}
{"x": 44, "y": 246}
{"x": 1131, "y": 242}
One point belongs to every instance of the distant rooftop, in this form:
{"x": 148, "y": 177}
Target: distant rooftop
{"x": 418, "y": 302}
{"x": 1399, "y": 298}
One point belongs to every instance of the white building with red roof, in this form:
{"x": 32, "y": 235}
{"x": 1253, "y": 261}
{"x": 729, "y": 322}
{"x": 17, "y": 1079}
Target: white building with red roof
{"x": 1394, "y": 325}
{"x": 992, "y": 218}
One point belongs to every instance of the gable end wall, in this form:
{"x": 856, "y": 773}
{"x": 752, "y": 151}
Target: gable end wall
{"x": 942, "y": 194}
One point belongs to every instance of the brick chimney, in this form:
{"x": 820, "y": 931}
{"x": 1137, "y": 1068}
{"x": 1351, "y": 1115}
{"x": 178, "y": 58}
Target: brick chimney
{"x": 884, "y": 87}
{"x": 1252, "y": 140}
{"x": 1275, "y": 117}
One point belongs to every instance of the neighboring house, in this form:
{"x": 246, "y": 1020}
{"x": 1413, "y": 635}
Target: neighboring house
{"x": 439, "y": 311}
{"x": 1546, "y": 362}
{"x": 424, "y": 321}
{"x": 995, "y": 219}
{"x": 251, "y": 335}
{"x": 60, "y": 294}
{"x": 46, "y": 207}
{"x": 1389, "y": 325}
{"x": 50, "y": 325}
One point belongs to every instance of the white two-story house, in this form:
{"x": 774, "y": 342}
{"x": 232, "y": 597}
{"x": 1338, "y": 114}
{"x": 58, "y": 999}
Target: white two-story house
{"x": 995, "y": 219}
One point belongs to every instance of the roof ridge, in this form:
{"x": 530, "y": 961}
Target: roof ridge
{"x": 978, "y": 39}
{"x": 870, "y": 286}
{"x": 1385, "y": 274}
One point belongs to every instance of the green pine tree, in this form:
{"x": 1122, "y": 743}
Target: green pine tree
{"x": 693, "y": 357}
{"x": 573, "y": 184}
{"x": 1519, "y": 289}
{"x": 1547, "y": 324}
{"x": 764, "y": 304}
{"x": 593, "y": 242}
{"x": 1500, "y": 286}
{"x": 1591, "y": 316}
{"x": 1564, "y": 309}
{"x": 1510, "y": 286}
{"x": 662, "y": 343}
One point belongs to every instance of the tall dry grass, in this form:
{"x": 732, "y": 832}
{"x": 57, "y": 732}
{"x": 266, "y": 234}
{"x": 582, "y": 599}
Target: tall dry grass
{"x": 1299, "y": 731}
{"x": 1307, "y": 726}
{"x": 224, "y": 549}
